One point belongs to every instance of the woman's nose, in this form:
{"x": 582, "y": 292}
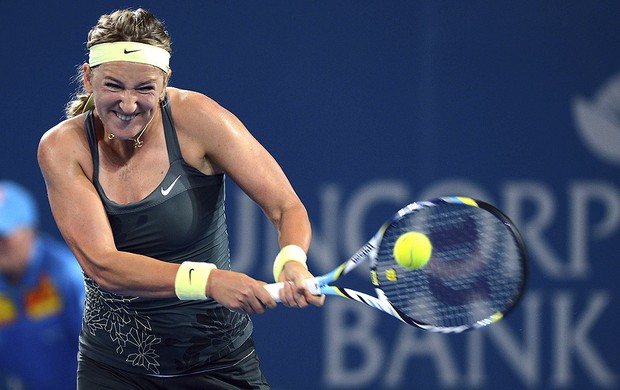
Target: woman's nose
{"x": 128, "y": 102}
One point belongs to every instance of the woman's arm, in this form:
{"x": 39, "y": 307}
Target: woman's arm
{"x": 65, "y": 162}
{"x": 229, "y": 147}
{"x": 64, "y": 159}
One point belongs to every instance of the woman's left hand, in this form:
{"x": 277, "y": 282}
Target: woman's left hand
{"x": 294, "y": 293}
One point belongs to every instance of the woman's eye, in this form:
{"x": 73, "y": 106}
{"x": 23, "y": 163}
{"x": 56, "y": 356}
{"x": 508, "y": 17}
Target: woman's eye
{"x": 112, "y": 86}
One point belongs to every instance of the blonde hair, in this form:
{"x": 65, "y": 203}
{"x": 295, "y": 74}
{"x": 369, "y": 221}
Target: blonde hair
{"x": 122, "y": 25}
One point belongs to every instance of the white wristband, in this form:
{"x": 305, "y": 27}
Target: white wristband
{"x": 191, "y": 280}
{"x": 286, "y": 254}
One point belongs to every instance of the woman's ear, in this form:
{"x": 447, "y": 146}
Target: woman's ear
{"x": 88, "y": 82}
{"x": 166, "y": 80}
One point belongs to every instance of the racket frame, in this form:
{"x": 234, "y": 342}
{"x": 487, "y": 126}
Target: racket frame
{"x": 368, "y": 252}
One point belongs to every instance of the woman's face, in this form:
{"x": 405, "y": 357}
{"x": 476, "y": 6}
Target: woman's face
{"x": 126, "y": 95}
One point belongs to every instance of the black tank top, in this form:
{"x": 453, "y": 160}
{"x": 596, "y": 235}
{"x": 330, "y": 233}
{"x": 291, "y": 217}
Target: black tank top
{"x": 181, "y": 220}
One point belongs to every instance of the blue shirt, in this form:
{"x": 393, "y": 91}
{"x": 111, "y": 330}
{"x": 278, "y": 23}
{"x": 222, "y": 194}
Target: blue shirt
{"x": 40, "y": 320}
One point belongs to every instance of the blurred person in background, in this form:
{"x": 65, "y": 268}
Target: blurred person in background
{"x": 41, "y": 299}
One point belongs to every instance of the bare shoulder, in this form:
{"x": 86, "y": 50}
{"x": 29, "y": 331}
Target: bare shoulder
{"x": 206, "y": 130}
{"x": 194, "y": 108}
{"x": 193, "y": 98}
{"x": 201, "y": 118}
{"x": 64, "y": 145}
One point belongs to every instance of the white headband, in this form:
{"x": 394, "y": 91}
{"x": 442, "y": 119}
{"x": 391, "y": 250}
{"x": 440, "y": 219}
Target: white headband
{"x": 131, "y": 52}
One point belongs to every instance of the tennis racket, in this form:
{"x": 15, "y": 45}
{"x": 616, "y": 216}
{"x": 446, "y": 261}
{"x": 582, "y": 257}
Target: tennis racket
{"x": 476, "y": 273}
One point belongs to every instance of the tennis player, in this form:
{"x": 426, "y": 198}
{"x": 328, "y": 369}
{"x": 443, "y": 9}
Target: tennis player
{"x": 135, "y": 179}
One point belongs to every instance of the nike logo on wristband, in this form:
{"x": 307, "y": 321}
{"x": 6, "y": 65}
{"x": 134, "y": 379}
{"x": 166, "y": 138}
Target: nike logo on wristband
{"x": 166, "y": 191}
{"x": 190, "y": 275}
{"x": 130, "y": 51}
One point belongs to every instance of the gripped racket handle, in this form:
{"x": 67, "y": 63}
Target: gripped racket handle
{"x": 273, "y": 289}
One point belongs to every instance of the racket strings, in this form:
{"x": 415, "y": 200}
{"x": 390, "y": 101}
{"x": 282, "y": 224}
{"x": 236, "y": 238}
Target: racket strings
{"x": 474, "y": 272}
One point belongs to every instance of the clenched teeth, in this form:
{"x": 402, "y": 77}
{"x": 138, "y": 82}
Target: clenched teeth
{"x": 125, "y": 117}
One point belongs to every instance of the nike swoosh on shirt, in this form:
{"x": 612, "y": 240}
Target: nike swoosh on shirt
{"x": 166, "y": 191}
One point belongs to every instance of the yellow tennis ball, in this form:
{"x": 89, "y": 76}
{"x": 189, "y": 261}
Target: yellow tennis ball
{"x": 413, "y": 250}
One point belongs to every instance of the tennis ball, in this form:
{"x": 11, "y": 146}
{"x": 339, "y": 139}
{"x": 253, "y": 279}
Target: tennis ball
{"x": 412, "y": 250}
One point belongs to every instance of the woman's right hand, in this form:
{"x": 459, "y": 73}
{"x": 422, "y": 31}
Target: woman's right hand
{"x": 239, "y": 292}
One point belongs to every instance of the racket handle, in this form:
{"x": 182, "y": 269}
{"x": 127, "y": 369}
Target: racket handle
{"x": 273, "y": 289}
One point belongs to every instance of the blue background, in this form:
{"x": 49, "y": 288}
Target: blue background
{"x": 369, "y": 105}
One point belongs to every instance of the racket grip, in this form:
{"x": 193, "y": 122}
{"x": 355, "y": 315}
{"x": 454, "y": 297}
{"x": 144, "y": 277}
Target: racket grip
{"x": 273, "y": 289}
